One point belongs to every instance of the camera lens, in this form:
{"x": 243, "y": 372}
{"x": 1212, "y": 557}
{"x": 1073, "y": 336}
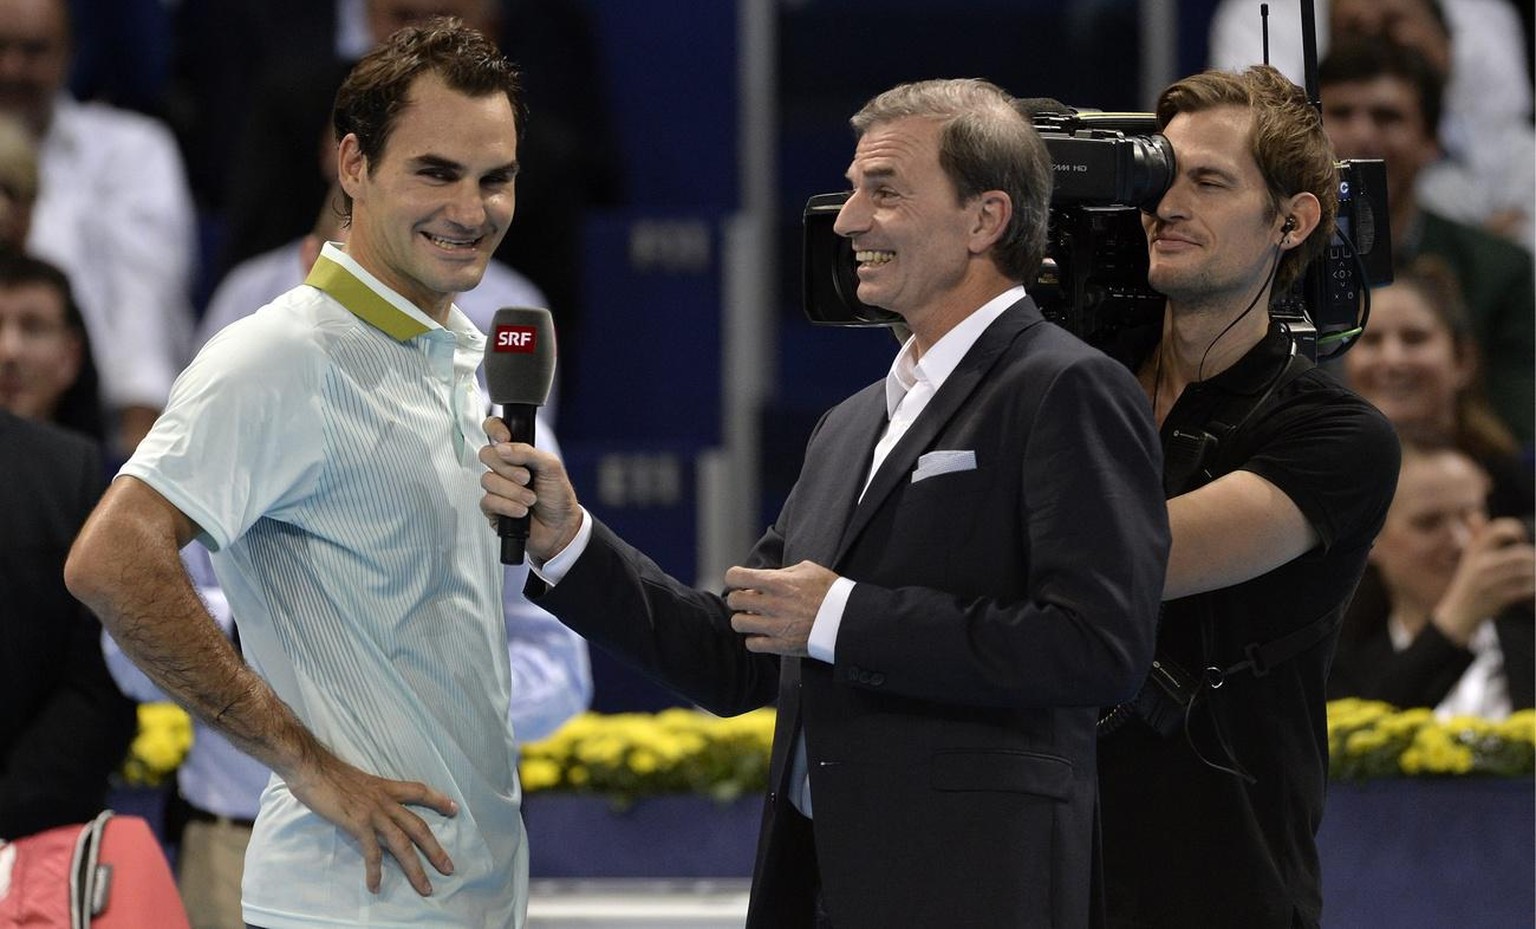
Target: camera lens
{"x": 1150, "y": 170}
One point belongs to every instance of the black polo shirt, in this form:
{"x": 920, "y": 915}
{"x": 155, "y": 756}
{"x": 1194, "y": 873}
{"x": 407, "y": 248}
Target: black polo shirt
{"x": 1186, "y": 844}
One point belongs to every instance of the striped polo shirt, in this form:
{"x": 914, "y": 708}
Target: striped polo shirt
{"x": 326, "y": 447}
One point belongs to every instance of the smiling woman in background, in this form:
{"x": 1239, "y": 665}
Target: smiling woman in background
{"x": 1418, "y": 363}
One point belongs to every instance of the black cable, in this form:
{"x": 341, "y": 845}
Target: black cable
{"x": 1269, "y": 282}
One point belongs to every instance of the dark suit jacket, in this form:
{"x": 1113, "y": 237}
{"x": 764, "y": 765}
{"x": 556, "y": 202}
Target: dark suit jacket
{"x": 65, "y": 726}
{"x": 951, "y": 746}
{"x": 1421, "y": 675}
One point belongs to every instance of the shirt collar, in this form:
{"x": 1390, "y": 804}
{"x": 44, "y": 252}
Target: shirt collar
{"x": 943, "y": 356}
{"x": 1484, "y": 638}
{"x": 1250, "y": 374}
{"x": 1254, "y": 371}
{"x": 372, "y": 301}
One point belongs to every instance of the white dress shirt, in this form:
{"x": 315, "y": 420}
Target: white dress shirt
{"x": 1482, "y": 690}
{"x": 115, "y": 213}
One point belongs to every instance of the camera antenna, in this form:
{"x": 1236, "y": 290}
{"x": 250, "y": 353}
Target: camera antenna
{"x": 1264, "y": 26}
{"x": 1309, "y": 54}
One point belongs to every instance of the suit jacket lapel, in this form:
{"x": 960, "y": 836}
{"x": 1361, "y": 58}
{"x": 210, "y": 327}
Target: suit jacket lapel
{"x": 841, "y": 475}
{"x": 957, "y": 389}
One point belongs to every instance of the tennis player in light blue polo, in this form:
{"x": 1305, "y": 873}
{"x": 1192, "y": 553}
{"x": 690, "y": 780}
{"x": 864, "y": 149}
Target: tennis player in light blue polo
{"x": 325, "y": 449}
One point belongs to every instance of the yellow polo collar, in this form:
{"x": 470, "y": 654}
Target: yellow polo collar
{"x": 363, "y": 301}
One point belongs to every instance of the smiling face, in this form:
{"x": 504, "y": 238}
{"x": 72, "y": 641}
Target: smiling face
{"x": 1407, "y": 364}
{"x": 1438, "y": 505}
{"x": 917, "y": 245}
{"x": 429, "y": 212}
{"x": 1214, "y": 237}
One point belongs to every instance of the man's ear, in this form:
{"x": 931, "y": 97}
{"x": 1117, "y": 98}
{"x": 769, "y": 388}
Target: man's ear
{"x": 351, "y": 165}
{"x": 1299, "y": 216}
{"x": 993, "y": 209}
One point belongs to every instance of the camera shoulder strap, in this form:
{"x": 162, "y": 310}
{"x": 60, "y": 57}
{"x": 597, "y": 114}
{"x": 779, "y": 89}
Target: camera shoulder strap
{"x": 1258, "y": 658}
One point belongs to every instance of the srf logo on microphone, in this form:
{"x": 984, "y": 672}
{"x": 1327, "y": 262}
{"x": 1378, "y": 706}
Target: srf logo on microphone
{"x": 520, "y": 339}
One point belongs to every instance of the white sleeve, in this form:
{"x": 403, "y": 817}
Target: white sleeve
{"x": 144, "y": 240}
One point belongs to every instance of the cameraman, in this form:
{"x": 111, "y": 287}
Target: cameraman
{"x": 1278, "y": 479}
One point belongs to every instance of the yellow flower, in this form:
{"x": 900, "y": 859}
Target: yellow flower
{"x": 162, "y": 742}
{"x": 628, "y": 755}
{"x": 643, "y": 762}
{"x": 538, "y": 773}
{"x": 1369, "y": 740}
{"x": 1519, "y": 726}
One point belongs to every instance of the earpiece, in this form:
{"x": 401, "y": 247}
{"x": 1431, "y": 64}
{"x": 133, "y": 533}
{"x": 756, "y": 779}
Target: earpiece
{"x": 1290, "y": 223}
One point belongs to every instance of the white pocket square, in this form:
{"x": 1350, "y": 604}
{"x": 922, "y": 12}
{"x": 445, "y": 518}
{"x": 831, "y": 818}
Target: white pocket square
{"x": 943, "y": 462}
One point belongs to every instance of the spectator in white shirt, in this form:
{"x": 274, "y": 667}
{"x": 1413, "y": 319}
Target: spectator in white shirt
{"x": 114, "y": 211}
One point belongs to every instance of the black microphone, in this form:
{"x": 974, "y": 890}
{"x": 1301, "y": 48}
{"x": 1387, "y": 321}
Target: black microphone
{"x": 519, "y": 369}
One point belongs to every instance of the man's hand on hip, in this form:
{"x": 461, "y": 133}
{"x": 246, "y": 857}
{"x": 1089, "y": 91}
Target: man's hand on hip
{"x": 373, "y": 811}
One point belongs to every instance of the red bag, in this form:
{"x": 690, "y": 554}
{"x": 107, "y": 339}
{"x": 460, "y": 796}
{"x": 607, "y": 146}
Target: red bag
{"x": 109, "y": 873}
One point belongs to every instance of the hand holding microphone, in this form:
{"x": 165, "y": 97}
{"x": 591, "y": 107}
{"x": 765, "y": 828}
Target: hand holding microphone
{"x": 519, "y": 370}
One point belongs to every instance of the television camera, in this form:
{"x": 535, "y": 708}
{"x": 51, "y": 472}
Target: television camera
{"x": 1108, "y": 167}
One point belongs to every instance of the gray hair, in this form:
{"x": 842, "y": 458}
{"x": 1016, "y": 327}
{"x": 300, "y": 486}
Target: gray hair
{"x": 984, "y": 144}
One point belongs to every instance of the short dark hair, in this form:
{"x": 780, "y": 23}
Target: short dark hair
{"x": 375, "y": 92}
{"x": 1358, "y": 59}
{"x": 1287, "y": 142}
{"x": 984, "y": 144}
{"x": 80, "y": 406}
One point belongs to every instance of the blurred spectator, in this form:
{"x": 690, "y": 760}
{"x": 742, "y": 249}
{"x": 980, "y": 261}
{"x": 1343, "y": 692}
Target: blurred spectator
{"x": 18, "y": 182}
{"x": 568, "y": 155}
{"x": 1418, "y": 363}
{"x": 66, "y": 727}
{"x": 113, "y": 211}
{"x": 1382, "y": 100}
{"x": 1489, "y": 75}
{"x": 1485, "y": 176}
{"x": 1451, "y": 626}
{"x": 46, "y": 372}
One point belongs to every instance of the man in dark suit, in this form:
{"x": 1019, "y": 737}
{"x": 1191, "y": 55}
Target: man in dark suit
{"x": 66, "y": 725}
{"x": 969, "y": 563}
